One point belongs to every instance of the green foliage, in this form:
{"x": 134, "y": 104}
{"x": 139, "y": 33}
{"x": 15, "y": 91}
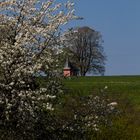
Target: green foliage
{"x": 75, "y": 116}
{"x": 62, "y": 124}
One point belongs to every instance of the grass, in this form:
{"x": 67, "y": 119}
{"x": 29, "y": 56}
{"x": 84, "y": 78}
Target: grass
{"x": 122, "y": 86}
{"x": 123, "y": 89}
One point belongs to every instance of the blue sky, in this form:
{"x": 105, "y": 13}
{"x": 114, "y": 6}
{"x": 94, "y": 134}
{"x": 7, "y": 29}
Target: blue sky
{"x": 119, "y": 23}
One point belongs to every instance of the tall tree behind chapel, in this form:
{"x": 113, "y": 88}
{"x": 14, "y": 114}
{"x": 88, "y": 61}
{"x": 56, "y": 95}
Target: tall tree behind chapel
{"x": 85, "y": 51}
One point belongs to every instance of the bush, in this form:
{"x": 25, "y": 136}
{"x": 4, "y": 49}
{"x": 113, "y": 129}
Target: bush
{"x": 81, "y": 117}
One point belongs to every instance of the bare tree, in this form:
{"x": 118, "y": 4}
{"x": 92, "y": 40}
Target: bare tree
{"x": 83, "y": 45}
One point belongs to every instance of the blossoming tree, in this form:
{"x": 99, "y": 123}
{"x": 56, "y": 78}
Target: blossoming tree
{"x": 29, "y": 34}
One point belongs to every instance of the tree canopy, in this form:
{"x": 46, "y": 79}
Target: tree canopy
{"x": 84, "y": 47}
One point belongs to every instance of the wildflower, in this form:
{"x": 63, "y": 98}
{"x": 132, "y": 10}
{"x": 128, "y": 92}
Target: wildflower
{"x": 113, "y": 104}
{"x": 106, "y": 87}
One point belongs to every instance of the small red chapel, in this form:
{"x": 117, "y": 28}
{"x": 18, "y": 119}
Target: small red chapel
{"x": 67, "y": 71}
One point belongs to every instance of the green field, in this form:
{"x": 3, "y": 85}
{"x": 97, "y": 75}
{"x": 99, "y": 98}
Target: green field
{"x": 123, "y": 89}
{"x": 118, "y": 86}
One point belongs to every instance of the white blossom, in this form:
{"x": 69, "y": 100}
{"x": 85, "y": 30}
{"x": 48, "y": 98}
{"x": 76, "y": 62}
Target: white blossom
{"x": 113, "y": 104}
{"x": 30, "y": 36}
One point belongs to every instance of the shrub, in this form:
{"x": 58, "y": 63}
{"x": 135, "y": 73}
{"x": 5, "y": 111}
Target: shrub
{"x": 81, "y": 117}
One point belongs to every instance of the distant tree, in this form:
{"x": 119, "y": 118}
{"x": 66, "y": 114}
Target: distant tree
{"x": 83, "y": 46}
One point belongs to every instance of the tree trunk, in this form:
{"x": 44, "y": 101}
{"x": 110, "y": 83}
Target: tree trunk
{"x": 82, "y": 73}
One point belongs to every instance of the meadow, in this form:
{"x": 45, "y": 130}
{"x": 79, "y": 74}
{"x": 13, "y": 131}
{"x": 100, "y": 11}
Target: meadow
{"x": 122, "y": 86}
{"x": 123, "y": 89}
